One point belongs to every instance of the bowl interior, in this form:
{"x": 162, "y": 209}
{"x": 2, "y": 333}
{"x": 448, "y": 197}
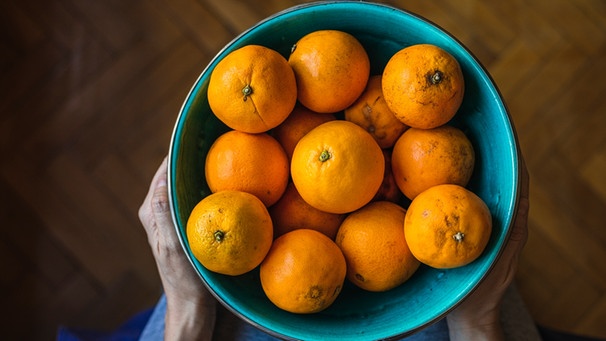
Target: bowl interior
{"x": 356, "y": 314}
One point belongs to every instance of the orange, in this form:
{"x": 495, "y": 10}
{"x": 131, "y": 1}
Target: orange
{"x": 252, "y": 89}
{"x": 337, "y": 167}
{"x": 389, "y": 190}
{"x": 230, "y": 232}
{"x": 370, "y": 111}
{"x": 253, "y": 163}
{"x": 303, "y": 272}
{"x": 331, "y": 69}
{"x": 300, "y": 121}
{"x": 375, "y": 249}
{"x": 423, "y": 85}
{"x": 291, "y": 212}
{"x": 447, "y": 226}
{"x": 422, "y": 158}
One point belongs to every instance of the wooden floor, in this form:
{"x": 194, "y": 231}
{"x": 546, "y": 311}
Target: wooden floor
{"x": 90, "y": 90}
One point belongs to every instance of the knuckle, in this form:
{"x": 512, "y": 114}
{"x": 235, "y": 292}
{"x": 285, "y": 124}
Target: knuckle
{"x": 159, "y": 203}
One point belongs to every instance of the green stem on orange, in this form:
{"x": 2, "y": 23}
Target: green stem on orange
{"x": 436, "y": 78}
{"x": 459, "y": 236}
{"x": 247, "y": 91}
{"x": 324, "y": 156}
{"x": 219, "y": 235}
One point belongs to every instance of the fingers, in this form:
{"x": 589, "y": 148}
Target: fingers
{"x": 519, "y": 233}
{"x": 162, "y": 229}
{"x": 146, "y": 214}
{"x": 159, "y": 193}
{"x": 524, "y": 177}
{"x": 160, "y": 207}
{"x": 520, "y": 228}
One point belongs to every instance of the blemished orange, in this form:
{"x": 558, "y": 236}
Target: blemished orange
{"x": 422, "y": 158}
{"x": 252, "y": 89}
{"x": 375, "y": 249}
{"x": 331, "y": 69}
{"x": 300, "y": 121}
{"x": 253, "y": 163}
{"x": 230, "y": 232}
{"x": 447, "y": 226}
{"x": 291, "y": 212}
{"x": 370, "y": 111}
{"x": 303, "y": 272}
{"x": 389, "y": 190}
{"x": 423, "y": 85}
{"x": 337, "y": 167}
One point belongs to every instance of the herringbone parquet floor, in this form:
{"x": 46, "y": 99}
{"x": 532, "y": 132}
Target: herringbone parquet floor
{"x": 90, "y": 90}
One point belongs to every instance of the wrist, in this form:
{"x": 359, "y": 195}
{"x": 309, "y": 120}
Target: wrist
{"x": 477, "y": 327}
{"x": 189, "y": 320}
{"x": 492, "y": 332}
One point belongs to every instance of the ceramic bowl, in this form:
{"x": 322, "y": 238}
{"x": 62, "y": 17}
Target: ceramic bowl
{"x": 356, "y": 314}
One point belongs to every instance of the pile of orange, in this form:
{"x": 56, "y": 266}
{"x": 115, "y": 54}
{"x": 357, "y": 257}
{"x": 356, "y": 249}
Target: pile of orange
{"x": 330, "y": 173}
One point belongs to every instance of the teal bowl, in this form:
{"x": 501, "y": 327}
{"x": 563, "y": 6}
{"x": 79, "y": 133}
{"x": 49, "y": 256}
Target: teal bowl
{"x": 356, "y": 314}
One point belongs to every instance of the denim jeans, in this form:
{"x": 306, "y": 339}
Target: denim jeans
{"x": 230, "y": 327}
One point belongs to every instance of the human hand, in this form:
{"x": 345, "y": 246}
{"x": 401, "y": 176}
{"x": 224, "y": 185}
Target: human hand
{"x": 478, "y": 317}
{"x": 190, "y": 311}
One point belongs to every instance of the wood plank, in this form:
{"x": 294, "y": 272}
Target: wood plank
{"x": 63, "y": 309}
{"x": 438, "y": 14}
{"x": 12, "y": 267}
{"x": 18, "y": 30}
{"x": 116, "y": 23}
{"x": 538, "y": 94}
{"x": 541, "y": 260}
{"x": 25, "y": 303}
{"x": 561, "y": 213}
{"x": 595, "y": 10}
{"x": 517, "y": 56}
{"x": 92, "y": 101}
{"x": 112, "y": 309}
{"x": 34, "y": 249}
{"x": 198, "y": 24}
{"x": 88, "y": 199}
{"x": 93, "y": 248}
{"x": 124, "y": 186}
{"x": 144, "y": 158}
{"x": 496, "y": 35}
{"x": 593, "y": 172}
{"x": 175, "y": 74}
{"x": 573, "y": 24}
{"x": 237, "y": 15}
{"x": 592, "y": 323}
{"x": 583, "y": 102}
{"x": 59, "y": 23}
{"x": 30, "y": 70}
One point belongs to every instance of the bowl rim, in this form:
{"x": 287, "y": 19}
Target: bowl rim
{"x": 172, "y": 154}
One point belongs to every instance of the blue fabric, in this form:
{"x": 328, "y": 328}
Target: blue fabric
{"x": 129, "y": 331}
{"x": 149, "y": 326}
{"x": 154, "y": 329}
{"x": 230, "y": 327}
